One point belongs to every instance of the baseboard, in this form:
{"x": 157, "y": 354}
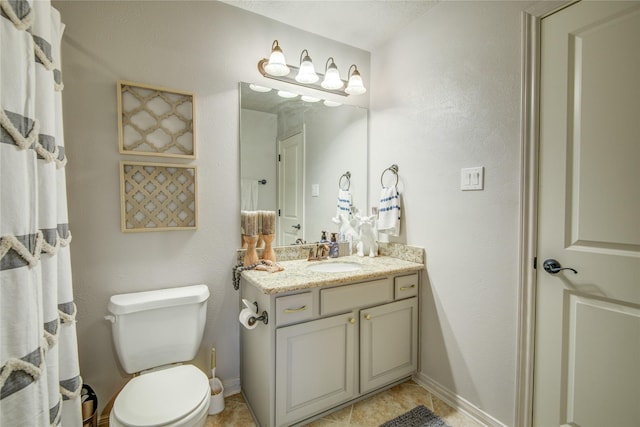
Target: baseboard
{"x": 231, "y": 386}
{"x": 456, "y": 402}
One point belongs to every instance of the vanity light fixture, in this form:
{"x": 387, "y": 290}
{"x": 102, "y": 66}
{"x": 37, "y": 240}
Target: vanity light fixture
{"x": 307, "y": 72}
{"x": 331, "y": 76}
{"x": 355, "y": 85}
{"x": 277, "y": 65}
{"x": 305, "y": 75}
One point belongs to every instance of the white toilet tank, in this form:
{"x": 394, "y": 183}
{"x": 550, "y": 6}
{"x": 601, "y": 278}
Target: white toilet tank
{"x": 160, "y": 327}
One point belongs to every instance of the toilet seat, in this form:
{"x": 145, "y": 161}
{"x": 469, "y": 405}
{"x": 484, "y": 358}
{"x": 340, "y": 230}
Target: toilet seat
{"x": 160, "y": 398}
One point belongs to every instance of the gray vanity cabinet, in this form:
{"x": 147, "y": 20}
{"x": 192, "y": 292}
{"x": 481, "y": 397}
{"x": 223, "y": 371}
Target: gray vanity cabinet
{"x": 388, "y": 343}
{"x": 326, "y": 346}
{"x": 315, "y": 366}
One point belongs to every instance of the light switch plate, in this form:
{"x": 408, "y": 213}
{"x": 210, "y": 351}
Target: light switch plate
{"x": 315, "y": 190}
{"x": 472, "y": 178}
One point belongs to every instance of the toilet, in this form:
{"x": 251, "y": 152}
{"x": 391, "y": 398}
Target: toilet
{"x": 153, "y": 333}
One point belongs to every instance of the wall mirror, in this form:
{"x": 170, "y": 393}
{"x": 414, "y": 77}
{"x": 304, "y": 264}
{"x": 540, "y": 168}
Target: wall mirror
{"x": 294, "y": 154}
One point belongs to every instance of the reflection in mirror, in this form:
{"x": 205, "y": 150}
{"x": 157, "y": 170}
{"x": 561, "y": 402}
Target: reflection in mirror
{"x": 293, "y": 154}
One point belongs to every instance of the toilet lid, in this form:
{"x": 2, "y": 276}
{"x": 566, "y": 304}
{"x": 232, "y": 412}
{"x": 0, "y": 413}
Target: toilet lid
{"x": 161, "y": 397}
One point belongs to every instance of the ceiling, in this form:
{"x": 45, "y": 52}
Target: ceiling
{"x": 365, "y": 24}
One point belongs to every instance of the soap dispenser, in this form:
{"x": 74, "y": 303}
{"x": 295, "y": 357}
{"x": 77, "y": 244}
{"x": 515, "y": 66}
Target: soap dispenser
{"x": 334, "y": 247}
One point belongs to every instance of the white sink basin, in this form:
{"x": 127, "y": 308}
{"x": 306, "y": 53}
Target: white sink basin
{"x": 334, "y": 267}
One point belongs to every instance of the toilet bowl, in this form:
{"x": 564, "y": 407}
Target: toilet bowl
{"x": 173, "y": 397}
{"x": 154, "y": 332}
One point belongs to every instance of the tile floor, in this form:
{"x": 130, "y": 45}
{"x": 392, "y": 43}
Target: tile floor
{"x": 367, "y": 413}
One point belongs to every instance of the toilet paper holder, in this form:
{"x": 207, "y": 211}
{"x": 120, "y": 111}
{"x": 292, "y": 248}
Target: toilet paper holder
{"x": 262, "y": 318}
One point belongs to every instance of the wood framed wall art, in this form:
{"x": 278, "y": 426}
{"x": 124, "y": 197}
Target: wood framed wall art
{"x": 155, "y": 121}
{"x": 158, "y": 197}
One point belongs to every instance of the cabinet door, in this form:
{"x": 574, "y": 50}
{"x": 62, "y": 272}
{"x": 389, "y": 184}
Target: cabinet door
{"x": 315, "y": 367}
{"x": 388, "y": 343}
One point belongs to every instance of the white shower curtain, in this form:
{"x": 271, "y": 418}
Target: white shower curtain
{"x": 39, "y": 373}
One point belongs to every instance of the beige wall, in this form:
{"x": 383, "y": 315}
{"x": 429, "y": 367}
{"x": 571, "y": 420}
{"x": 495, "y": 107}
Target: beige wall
{"x": 446, "y": 95}
{"x": 203, "y": 47}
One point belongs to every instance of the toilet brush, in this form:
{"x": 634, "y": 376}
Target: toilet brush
{"x": 213, "y": 362}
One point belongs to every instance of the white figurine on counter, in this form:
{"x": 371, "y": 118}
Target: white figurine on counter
{"x": 348, "y": 225}
{"x": 368, "y": 227}
{"x": 349, "y": 228}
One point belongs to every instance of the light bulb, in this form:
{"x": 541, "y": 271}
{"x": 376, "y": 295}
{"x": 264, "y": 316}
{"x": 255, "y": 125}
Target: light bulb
{"x": 332, "y": 103}
{"x": 307, "y": 98}
{"x": 355, "y": 85}
{"x": 332, "y": 78}
{"x": 258, "y": 88}
{"x": 307, "y": 72}
{"x": 285, "y": 94}
{"x": 277, "y": 65}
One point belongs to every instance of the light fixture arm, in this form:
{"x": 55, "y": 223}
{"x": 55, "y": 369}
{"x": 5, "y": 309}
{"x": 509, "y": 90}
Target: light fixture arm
{"x": 353, "y": 67}
{"x": 333, "y": 63}
{"x": 304, "y": 55}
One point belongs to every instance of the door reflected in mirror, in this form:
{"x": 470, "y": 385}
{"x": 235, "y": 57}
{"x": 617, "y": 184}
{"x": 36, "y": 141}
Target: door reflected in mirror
{"x": 293, "y": 155}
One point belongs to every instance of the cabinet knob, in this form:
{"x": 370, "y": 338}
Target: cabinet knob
{"x": 352, "y": 320}
{"x": 367, "y": 316}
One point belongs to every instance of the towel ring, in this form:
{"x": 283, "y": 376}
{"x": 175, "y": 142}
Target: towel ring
{"x": 347, "y": 176}
{"x": 393, "y": 168}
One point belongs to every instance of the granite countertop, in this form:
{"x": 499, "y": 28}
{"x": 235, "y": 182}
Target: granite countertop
{"x": 297, "y": 275}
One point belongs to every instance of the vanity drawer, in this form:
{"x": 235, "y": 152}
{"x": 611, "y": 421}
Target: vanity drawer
{"x": 345, "y": 298}
{"x": 294, "y": 308}
{"x": 406, "y": 286}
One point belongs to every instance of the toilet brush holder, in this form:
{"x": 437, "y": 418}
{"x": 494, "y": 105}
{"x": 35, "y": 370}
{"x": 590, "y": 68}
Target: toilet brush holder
{"x": 217, "y": 396}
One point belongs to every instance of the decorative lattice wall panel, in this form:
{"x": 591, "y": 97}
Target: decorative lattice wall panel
{"x": 158, "y": 196}
{"x": 155, "y": 121}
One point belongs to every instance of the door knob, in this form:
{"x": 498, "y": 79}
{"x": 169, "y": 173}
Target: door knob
{"x": 552, "y": 266}
{"x": 297, "y": 227}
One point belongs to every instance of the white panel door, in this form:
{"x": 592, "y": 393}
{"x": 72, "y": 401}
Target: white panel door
{"x": 291, "y": 189}
{"x": 587, "y": 354}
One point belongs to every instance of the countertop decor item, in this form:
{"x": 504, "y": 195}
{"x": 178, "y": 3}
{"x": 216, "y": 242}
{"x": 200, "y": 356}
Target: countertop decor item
{"x": 367, "y": 244}
{"x": 251, "y": 256}
{"x": 250, "y": 222}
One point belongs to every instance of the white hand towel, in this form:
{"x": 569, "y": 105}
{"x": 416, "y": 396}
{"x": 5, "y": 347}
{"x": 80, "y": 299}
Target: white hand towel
{"x": 249, "y": 194}
{"x": 344, "y": 203}
{"x": 389, "y": 211}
